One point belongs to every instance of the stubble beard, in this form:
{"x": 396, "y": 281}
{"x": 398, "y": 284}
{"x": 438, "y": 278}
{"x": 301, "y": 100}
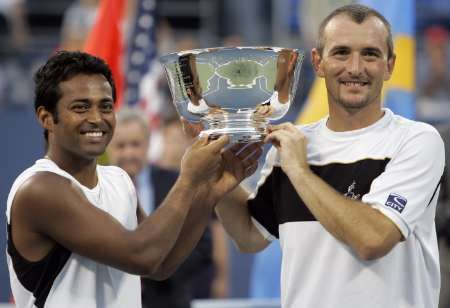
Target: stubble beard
{"x": 353, "y": 106}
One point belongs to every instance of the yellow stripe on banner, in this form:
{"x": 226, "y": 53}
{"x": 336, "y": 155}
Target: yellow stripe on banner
{"x": 403, "y": 77}
{"x": 316, "y": 106}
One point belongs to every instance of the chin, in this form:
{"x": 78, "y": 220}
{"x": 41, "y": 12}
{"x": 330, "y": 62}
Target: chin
{"x": 353, "y": 104}
{"x": 94, "y": 153}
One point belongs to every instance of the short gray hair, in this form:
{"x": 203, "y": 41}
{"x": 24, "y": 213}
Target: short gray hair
{"x": 127, "y": 115}
{"x": 358, "y": 13}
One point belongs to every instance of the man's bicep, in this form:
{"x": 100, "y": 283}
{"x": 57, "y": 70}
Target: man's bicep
{"x": 410, "y": 183}
{"x": 56, "y": 209}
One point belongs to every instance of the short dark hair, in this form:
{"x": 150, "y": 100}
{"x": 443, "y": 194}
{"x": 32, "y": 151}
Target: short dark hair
{"x": 358, "y": 13}
{"x": 61, "y": 67}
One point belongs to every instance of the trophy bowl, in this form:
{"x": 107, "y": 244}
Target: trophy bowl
{"x": 235, "y": 91}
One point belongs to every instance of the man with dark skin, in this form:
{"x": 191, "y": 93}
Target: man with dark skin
{"x": 75, "y": 233}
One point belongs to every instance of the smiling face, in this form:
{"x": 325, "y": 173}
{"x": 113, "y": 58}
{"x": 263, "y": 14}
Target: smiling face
{"x": 86, "y": 118}
{"x": 354, "y": 62}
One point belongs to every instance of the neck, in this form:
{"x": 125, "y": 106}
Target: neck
{"x": 84, "y": 170}
{"x": 342, "y": 119}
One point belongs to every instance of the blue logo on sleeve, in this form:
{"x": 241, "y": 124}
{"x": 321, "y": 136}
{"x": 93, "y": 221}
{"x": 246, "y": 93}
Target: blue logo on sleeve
{"x": 396, "y": 202}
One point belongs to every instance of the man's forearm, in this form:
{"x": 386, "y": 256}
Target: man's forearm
{"x": 160, "y": 231}
{"x": 350, "y": 221}
{"x": 193, "y": 228}
{"x": 233, "y": 212}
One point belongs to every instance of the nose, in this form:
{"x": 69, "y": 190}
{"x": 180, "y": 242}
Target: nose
{"x": 354, "y": 66}
{"x": 94, "y": 115}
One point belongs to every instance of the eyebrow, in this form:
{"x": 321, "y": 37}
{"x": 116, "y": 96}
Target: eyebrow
{"x": 366, "y": 49}
{"x": 339, "y": 47}
{"x": 89, "y": 101}
{"x": 373, "y": 49}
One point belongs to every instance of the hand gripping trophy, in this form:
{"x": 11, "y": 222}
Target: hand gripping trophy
{"x": 234, "y": 90}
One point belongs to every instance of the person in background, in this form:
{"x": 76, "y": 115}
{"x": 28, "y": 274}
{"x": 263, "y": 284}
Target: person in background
{"x": 129, "y": 150}
{"x": 77, "y": 22}
{"x": 433, "y": 95}
{"x": 14, "y": 18}
{"x": 443, "y": 223}
{"x": 175, "y": 143}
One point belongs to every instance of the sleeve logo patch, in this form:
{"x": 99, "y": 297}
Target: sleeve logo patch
{"x": 396, "y": 202}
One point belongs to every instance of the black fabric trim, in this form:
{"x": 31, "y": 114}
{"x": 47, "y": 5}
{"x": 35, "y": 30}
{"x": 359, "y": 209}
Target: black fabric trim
{"x": 441, "y": 181}
{"x": 338, "y": 175}
{"x": 262, "y": 207}
{"x": 38, "y": 277}
{"x": 277, "y": 202}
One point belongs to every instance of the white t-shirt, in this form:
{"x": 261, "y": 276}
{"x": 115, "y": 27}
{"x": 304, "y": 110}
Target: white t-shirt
{"x": 395, "y": 165}
{"x": 63, "y": 278}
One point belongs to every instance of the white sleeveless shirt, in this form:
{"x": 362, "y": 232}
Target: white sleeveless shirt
{"x": 66, "y": 279}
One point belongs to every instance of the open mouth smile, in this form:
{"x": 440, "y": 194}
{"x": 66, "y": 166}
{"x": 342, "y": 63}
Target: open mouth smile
{"x": 94, "y": 135}
{"x": 354, "y": 83}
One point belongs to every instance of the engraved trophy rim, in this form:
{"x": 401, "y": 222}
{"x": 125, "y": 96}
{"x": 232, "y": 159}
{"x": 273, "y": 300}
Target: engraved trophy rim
{"x": 233, "y": 90}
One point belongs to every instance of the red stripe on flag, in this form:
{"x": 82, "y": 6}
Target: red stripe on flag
{"x": 105, "y": 40}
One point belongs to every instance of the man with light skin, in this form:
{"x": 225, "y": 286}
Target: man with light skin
{"x": 352, "y": 197}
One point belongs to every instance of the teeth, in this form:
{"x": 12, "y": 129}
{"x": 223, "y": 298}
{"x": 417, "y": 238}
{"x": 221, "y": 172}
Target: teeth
{"x": 354, "y": 83}
{"x": 94, "y": 134}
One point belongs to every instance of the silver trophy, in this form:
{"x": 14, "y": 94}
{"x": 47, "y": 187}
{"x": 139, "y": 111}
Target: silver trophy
{"x": 235, "y": 91}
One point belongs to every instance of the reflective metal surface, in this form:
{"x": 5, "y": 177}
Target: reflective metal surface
{"x": 234, "y": 90}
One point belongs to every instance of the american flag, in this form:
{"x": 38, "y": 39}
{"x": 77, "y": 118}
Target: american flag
{"x": 141, "y": 50}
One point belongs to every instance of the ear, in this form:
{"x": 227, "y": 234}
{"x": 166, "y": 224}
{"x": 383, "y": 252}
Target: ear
{"x": 45, "y": 118}
{"x": 316, "y": 60}
{"x": 390, "y": 67}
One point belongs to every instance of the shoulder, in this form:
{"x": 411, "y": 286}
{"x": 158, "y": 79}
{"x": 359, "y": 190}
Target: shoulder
{"x": 44, "y": 181}
{"x": 43, "y": 193}
{"x": 310, "y": 130}
{"x": 111, "y": 170}
{"x": 419, "y": 144}
{"x": 115, "y": 175}
{"x": 417, "y": 132}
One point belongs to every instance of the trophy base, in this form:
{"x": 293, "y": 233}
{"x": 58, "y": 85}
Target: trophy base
{"x": 243, "y": 127}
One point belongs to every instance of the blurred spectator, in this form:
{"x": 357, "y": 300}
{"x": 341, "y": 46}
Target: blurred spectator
{"x": 77, "y": 22}
{"x": 214, "y": 284}
{"x": 175, "y": 142}
{"x": 443, "y": 224}
{"x": 15, "y": 80}
{"x": 249, "y": 19}
{"x": 433, "y": 104}
{"x": 436, "y": 45}
{"x": 14, "y": 29}
{"x": 16, "y": 84}
{"x": 128, "y": 150}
